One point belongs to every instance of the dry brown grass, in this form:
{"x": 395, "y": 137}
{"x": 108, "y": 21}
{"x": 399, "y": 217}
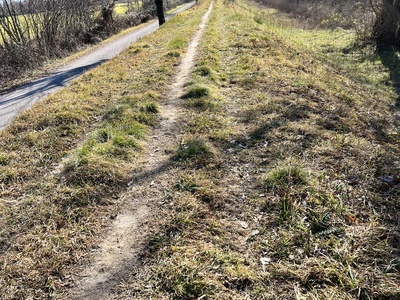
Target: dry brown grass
{"x": 299, "y": 199}
{"x": 287, "y": 179}
{"x": 64, "y": 162}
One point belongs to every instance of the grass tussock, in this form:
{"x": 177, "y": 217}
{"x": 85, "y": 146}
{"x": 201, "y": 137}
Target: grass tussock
{"x": 197, "y": 91}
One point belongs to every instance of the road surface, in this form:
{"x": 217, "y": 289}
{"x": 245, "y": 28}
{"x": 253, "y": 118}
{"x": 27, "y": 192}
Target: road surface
{"x": 11, "y": 104}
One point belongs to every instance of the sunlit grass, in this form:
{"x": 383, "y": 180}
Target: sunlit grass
{"x": 289, "y": 205}
{"x": 75, "y": 153}
{"x": 283, "y": 185}
{"x": 123, "y": 8}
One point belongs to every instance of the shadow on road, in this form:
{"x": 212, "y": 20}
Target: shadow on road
{"x": 45, "y": 85}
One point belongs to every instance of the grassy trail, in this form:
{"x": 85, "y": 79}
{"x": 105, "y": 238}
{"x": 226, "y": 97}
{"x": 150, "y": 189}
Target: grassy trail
{"x": 281, "y": 191}
{"x": 65, "y": 162}
{"x": 120, "y": 249}
{"x": 281, "y": 178}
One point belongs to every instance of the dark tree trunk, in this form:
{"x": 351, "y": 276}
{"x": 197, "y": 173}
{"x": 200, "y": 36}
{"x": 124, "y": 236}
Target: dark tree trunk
{"x": 160, "y": 12}
{"x": 386, "y": 30}
{"x": 107, "y": 13}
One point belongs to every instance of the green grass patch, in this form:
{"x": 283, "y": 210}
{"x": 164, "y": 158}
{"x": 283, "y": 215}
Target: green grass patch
{"x": 177, "y": 43}
{"x": 204, "y": 70}
{"x": 193, "y": 148}
{"x": 197, "y": 91}
{"x": 285, "y": 176}
{"x": 201, "y": 104}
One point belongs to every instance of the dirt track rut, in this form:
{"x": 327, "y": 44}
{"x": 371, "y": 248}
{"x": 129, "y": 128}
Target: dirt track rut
{"x": 119, "y": 251}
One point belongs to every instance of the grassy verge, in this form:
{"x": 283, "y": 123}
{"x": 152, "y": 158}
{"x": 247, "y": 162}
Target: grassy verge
{"x": 288, "y": 180}
{"x": 64, "y": 162}
{"x": 377, "y": 71}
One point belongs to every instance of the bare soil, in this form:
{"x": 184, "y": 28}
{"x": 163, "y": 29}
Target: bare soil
{"x": 120, "y": 248}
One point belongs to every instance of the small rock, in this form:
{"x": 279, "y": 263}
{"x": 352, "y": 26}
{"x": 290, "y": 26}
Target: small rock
{"x": 388, "y": 179}
{"x": 255, "y": 232}
{"x": 264, "y": 262}
{"x": 352, "y": 181}
{"x": 244, "y": 224}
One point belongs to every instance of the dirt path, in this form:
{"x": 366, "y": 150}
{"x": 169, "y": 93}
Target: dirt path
{"x": 22, "y": 98}
{"x": 118, "y": 253}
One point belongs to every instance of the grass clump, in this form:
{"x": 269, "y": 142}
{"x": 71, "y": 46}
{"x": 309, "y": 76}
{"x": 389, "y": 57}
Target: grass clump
{"x": 4, "y": 159}
{"x": 201, "y": 104}
{"x": 193, "y": 148}
{"x": 174, "y": 54}
{"x": 285, "y": 176}
{"x": 285, "y": 182}
{"x": 184, "y": 278}
{"x": 204, "y": 70}
{"x": 197, "y": 91}
{"x": 150, "y": 107}
{"x": 177, "y": 43}
{"x": 91, "y": 171}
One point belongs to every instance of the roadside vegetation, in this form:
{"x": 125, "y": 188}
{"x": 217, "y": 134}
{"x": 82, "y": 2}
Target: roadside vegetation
{"x": 375, "y": 21}
{"x": 364, "y": 31}
{"x": 37, "y": 31}
{"x": 287, "y": 178}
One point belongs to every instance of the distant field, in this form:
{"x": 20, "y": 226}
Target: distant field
{"x": 22, "y": 20}
{"x": 122, "y": 8}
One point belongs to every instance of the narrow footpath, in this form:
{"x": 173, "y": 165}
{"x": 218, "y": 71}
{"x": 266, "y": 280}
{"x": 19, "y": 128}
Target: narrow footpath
{"x": 118, "y": 253}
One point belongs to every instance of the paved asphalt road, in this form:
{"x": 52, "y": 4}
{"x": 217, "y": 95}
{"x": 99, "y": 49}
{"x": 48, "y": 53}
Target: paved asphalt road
{"x": 23, "y": 97}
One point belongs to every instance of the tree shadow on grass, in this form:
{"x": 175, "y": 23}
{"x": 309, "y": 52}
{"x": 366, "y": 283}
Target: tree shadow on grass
{"x": 390, "y": 58}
